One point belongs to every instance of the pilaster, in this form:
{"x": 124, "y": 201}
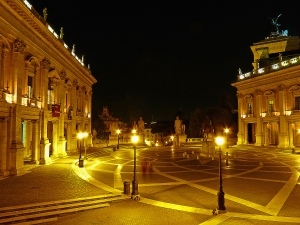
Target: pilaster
{"x": 3, "y": 147}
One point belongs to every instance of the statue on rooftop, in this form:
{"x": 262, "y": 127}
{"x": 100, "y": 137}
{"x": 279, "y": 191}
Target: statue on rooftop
{"x": 61, "y": 36}
{"x": 73, "y": 49}
{"x": 275, "y": 24}
{"x": 240, "y": 71}
{"x": 45, "y": 13}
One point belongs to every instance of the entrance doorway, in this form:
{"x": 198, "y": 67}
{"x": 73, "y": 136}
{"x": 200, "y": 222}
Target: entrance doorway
{"x": 251, "y": 133}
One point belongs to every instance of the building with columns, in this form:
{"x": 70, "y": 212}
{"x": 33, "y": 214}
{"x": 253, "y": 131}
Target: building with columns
{"x": 269, "y": 96}
{"x": 45, "y": 90}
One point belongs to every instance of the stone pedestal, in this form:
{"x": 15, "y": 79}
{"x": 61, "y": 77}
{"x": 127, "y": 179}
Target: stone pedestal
{"x": 208, "y": 147}
{"x": 182, "y": 138}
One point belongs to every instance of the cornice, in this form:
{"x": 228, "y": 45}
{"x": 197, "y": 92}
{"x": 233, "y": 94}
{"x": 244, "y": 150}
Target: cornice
{"x": 31, "y": 19}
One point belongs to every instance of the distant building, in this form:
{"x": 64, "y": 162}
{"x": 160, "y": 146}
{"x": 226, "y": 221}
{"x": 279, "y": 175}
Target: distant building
{"x": 45, "y": 91}
{"x": 112, "y": 124}
{"x": 269, "y": 96}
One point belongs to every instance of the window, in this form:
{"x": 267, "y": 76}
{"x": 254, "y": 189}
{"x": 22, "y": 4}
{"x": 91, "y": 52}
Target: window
{"x": 249, "y": 108}
{"x": 30, "y": 86}
{"x": 271, "y": 106}
{"x": 297, "y": 103}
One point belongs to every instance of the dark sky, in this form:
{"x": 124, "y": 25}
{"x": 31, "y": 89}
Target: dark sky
{"x": 150, "y": 59}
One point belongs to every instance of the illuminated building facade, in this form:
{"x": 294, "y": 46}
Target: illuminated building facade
{"x": 45, "y": 90}
{"x": 269, "y": 96}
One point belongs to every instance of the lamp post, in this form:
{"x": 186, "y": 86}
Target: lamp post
{"x": 221, "y": 201}
{"x": 80, "y": 135}
{"x": 226, "y": 132}
{"x": 118, "y": 132}
{"x": 135, "y": 187}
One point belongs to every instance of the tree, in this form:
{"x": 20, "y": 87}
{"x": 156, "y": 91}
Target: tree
{"x": 98, "y": 125}
{"x": 196, "y": 120}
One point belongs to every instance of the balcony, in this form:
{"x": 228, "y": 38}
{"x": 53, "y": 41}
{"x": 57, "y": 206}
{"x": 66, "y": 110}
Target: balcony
{"x": 274, "y": 67}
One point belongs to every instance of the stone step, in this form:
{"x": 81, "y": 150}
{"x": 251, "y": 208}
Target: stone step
{"x": 49, "y": 211}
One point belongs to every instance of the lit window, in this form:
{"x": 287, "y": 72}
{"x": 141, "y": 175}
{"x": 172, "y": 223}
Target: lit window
{"x": 297, "y": 103}
{"x": 249, "y": 108}
{"x": 30, "y": 87}
{"x": 271, "y": 106}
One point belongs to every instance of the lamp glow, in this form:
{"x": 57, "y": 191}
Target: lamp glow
{"x": 219, "y": 141}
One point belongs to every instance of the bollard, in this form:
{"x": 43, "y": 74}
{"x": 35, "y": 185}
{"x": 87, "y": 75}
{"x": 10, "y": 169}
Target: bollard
{"x": 81, "y": 164}
{"x": 114, "y": 148}
{"x": 226, "y": 158}
{"x": 293, "y": 150}
{"x": 126, "y": 187}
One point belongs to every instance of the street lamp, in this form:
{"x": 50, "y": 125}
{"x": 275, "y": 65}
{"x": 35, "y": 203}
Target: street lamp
{"x": 80, "y": 136}
{"x": 226, "y": 132}
{"x": 118, "y": 132}
{"x": 135, "y": 187}
{"x": 221, "y": 201}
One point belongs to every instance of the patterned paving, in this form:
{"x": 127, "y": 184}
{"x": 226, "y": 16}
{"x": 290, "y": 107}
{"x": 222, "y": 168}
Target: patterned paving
{"x": 258, "y": 182}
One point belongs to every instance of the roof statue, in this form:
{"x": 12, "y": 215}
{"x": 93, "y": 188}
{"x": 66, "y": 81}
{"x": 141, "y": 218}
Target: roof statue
{"x": 45, "y": 14}
{"x": 275, "y": 24}
{"x": 61, "y": 35}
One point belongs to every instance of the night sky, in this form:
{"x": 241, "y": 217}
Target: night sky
{"x": 152, "y": 59}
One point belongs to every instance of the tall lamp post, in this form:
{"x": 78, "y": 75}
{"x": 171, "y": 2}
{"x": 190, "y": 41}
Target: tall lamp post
{"x": 226, "y": 132}
{"x": 80, "y": 136}
{"x": 135, "y": 186}
{"x": 118, "y": 132}
{"x": 221, "y": 201}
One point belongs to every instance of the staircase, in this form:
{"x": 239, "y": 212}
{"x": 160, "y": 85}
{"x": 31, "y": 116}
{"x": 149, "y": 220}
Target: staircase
{"x": 49, "y": 211}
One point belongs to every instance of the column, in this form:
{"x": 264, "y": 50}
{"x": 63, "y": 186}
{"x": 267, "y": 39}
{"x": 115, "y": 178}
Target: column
{"x": 18, "y": 71}
{"x": 3, "y": 147}
{"x": 61, "y": 125}
{"x": 240, "y": 134}
{"x": 283, "y": 127}
{"x": 55, "y": 139}
{"x": 258, "y": 106}
{"x": 44, "y": 142}
{"x": 4, "y": 47}
{"x": 17, "y": 148}
{"x": 35, "y": 143}
{"x": 291, "y": 135}
{"x": 246, "y": 133}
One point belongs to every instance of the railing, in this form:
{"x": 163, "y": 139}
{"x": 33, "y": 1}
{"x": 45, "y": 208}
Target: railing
{"x": 269, "y": 69}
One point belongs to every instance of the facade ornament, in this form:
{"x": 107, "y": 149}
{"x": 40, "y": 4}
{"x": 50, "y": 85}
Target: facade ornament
{"x": 248, "y": 97}
{"x": 68, "y": 84}
{"x": 62, "y": 75}
{"x": 258, "y": 91}
{"x": 20, "y": 46}
{"x": 82, "y": 59}
{"x": 83, "y": 89}
{"x": 73, "y": 49}
{"x": 61, "y": 35}
{"x": 281, "y": 87}
{"x": 45, "y": 64}
{"x": 5, "y": 45}
{"x": 268, "y": 93}
{"x": 294, "y": 88}
{"x": 239, "y": 95}
{"x": 75, "y": 82}
{"x": 45, "y": 14}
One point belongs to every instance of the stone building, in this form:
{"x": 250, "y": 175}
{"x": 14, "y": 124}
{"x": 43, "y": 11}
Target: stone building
{"x": 45, "y": 90}
{"x": 269, "y": 96}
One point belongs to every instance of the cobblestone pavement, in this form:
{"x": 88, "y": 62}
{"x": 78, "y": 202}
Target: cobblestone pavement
{"x": 261, "y": 186}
